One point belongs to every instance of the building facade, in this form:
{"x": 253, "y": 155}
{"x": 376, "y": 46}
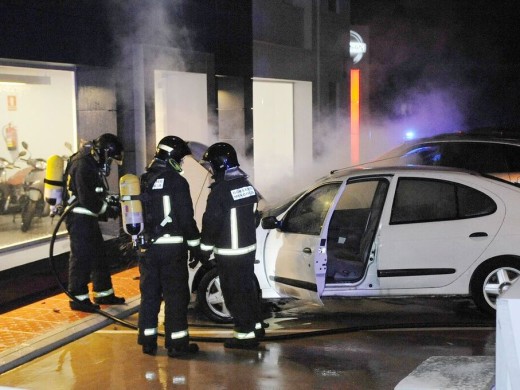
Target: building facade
{"x": 268, "y": 76}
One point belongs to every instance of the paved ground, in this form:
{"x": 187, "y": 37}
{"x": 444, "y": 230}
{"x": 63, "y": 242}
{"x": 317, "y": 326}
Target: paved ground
{"x": 347, "y": 344}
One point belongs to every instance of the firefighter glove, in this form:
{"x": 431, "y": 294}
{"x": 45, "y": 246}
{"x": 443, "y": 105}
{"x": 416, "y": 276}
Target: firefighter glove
{"x": 112, "y": 212}
{"x": 114, "y": 207}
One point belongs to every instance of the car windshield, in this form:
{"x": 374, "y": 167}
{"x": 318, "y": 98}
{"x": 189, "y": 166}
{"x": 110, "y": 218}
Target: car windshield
{"x": 280, "y": 207}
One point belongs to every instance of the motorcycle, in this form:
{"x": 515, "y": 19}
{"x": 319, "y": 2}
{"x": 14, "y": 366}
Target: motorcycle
{"x": 12, "y": 195}
{"x": 33, "y": 186}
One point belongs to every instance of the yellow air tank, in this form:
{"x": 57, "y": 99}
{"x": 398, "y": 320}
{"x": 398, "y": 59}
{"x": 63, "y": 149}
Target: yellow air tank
{"x": 53, "y": 182}
{"x": 131, "y": 206}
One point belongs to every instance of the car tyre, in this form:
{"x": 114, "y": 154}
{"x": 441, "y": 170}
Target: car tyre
{"x": 492, "y": 279}
{"x": 210, "y": 299}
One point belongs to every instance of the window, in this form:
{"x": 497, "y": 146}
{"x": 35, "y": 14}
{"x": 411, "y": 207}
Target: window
{"x": 352, "y": 228}
{"x": 423, "y": 155}
{"x": 307, "y": 216}
{"x": 427, "y": 200}
{"x": 475, "y": 156}
{"x": 36, "y": 104}
{"x": 350, "y": 219}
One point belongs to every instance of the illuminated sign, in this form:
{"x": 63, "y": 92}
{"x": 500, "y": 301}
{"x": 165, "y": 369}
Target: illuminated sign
{"x": 357, "y": 47}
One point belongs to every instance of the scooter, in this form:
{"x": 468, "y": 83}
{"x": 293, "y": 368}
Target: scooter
{"x": 35, "y": 205}
{"x": 12, "y": 195}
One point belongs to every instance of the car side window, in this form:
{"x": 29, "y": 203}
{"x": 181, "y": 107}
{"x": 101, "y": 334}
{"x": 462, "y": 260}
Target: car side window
{"x": 475, "y": 156}
{"x": 307, "y": 216}
{"x": 423, "y": 155}
{"x": 426, "y": 200}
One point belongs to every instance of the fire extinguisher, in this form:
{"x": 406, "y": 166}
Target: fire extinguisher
{"x": 10, "y": 136}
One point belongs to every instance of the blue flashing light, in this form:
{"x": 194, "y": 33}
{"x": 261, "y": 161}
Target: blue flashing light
{"x": 409, "y": 135}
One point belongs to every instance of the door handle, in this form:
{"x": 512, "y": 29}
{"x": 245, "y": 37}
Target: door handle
{"x": 478, "y": 234}
{"x": 307, "y": 250}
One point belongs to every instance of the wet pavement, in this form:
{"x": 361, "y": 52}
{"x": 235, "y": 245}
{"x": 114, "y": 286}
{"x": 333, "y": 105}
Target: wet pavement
{"x": 347, "y": 344}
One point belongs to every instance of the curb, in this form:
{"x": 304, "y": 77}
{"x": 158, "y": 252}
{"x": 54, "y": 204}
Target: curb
{"x": 48, "y": 342}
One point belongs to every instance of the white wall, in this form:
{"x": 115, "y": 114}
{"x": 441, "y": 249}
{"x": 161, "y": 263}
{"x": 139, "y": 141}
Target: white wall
{"x": 181, "y": 105}
{"x": 273, "y": 133}
{"x": 282, "y": 123}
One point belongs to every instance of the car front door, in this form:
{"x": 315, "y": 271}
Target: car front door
{"x": 295, "y": 255}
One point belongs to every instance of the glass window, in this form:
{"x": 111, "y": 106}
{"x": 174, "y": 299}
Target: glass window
{"x": 473, "y": 203}
{"x": 423, "y": 155}
{"x": 475, "y": 156}
{"x": 37, "y": 120}
{"x": 350, "y": 219}
{"x": 426, "y": 200}
{"x": 307, "y": 216}
{"x": 352, "y": 228}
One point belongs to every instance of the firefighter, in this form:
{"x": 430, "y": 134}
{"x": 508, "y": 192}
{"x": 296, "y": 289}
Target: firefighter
{"x": 86, "y": 181}
{"x": 229, "y": 232}
{"x": 171, "y": 232}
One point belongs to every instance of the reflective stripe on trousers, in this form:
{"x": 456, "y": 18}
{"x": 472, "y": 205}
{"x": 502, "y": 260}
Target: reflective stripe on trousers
{"x": 150, "y": 332}
{"x": 243, "y": 336}
{"x": 179, "y": 335}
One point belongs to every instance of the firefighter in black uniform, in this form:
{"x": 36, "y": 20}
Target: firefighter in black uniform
{"x": 229, "y": 231}
{"x": 87, "y": 183}
{"x": 171, "y": 231}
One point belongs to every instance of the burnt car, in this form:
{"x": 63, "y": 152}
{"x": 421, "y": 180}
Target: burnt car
{"x": 387, "y": 232}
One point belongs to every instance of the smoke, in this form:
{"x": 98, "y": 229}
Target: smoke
{"x": 438, "y": 66}
{"x": 430, "y": 71}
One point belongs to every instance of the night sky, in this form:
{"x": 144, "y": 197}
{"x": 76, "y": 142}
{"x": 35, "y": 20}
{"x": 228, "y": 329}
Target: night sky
{"x": 445, "y": 64}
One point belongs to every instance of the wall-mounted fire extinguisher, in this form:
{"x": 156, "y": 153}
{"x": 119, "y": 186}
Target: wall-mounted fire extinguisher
{"x": 10, "y": 136}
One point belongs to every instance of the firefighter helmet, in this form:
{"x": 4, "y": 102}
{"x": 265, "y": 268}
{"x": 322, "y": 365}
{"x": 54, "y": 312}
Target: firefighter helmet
{"x": 221, "y": 156}
{"x": 172, "y": 147}
{"x": 108, "y": 147}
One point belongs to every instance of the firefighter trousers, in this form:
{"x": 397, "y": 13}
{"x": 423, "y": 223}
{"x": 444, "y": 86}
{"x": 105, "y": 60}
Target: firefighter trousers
{"x": 164, "y": 276}
{"x": 237, "y": 281}
{"x": 87, "y": 259}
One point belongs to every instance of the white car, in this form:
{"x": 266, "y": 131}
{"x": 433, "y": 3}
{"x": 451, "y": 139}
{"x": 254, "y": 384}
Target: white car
{"x": 387, "y": 231}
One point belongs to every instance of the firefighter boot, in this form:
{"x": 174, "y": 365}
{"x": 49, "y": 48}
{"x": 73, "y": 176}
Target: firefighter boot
{"x": 84, "y": 305}
{"x": 109, "y": 300}
{"x": 235, "y": 343}
{"x": 150, "y": 349}
{"x": 260, "y": 329}
{"x": 182, "y": 347}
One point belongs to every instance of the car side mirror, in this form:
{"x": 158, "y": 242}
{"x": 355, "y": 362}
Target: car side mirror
{"x": 270, "y": 223}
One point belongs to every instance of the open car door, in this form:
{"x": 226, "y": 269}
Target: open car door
{"x": 295, "y": 252}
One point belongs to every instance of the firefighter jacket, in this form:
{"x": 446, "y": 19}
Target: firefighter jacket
{"x": 168, "y": 206}
{"x": 86, "y": 183}
{"x": 229, "y": 221}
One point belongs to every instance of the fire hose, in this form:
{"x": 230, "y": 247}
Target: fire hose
{"x": 288, "y": 336}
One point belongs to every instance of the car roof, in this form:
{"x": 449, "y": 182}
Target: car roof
{"x": 483, "y": 134}
{"x": 377, "y": 170}
{"x": 367, "y": 169}
{"x": 476, "y": 135}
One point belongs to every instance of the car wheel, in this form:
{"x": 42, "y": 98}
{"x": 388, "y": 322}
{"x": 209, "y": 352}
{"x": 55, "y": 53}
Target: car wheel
{"x": 210, "y": 299}
{"x": 491, "y": 280}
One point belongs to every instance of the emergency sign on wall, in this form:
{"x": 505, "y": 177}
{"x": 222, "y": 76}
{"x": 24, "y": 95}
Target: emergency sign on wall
{"x": 11, "y": 103}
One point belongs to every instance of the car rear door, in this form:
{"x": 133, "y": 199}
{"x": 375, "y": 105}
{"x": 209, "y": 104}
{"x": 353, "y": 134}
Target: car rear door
{"x": 434, "y": 231}
{"x": 295, "y": 255}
